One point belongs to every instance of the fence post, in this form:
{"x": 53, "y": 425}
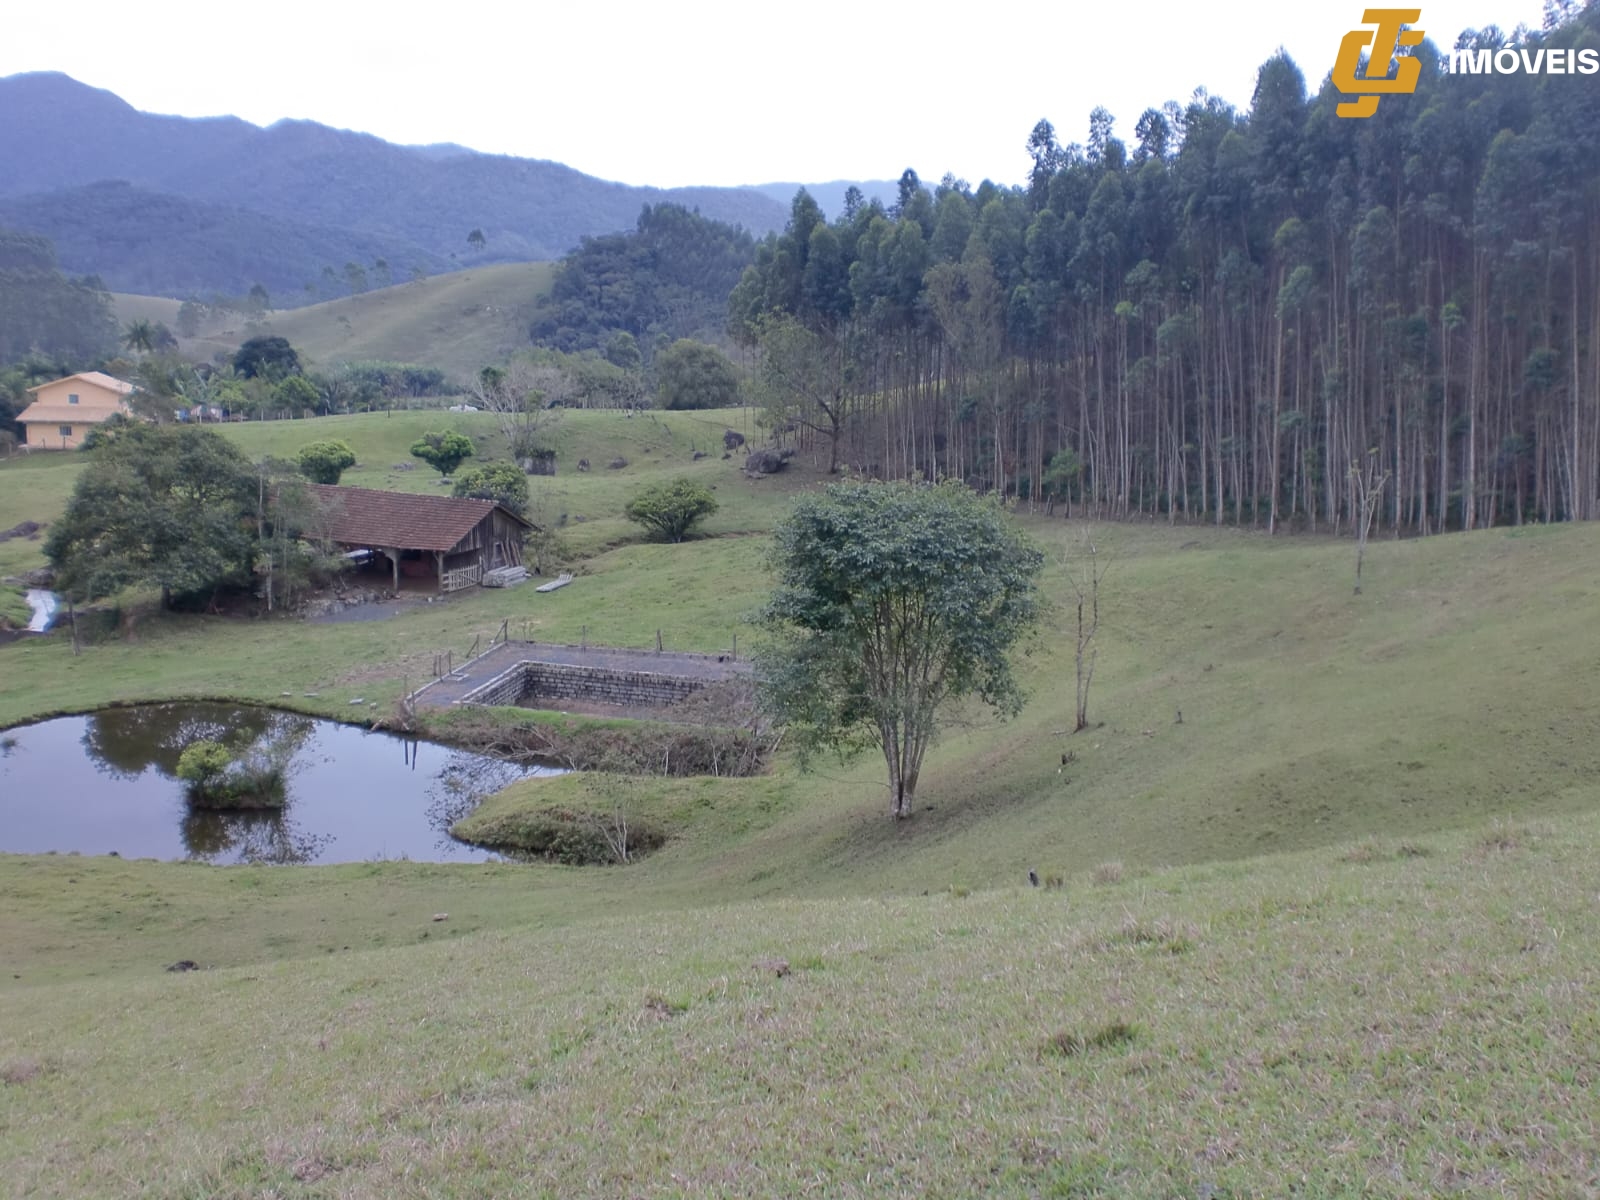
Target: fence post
{"x": 736, "y": 647}
{"x": 658, "y": 641}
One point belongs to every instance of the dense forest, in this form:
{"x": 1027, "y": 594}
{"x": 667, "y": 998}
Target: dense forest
{"x": 666, "y": 279}
{"x": 1240, "y": 316}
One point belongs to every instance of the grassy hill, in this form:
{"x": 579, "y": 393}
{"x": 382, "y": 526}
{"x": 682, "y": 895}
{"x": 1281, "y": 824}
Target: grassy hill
{"x": 1327, "y": 936}
{"x": 1385, "y": 1020}
{"x": 457, "y": 322}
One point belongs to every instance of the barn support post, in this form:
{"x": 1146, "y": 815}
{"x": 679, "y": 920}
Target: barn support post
{"x": 438, "y": 569}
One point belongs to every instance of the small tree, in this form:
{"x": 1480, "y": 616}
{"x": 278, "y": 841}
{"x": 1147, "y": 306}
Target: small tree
{"x": 1368, "y": 485}
{"x": 670, "y": 509}
{"x": 325, "y": 462}
{"x": 1085, "y": 579}
{"x": 893, "y": 601}
{"x": 444, "y": 452}
{"x": 526, "y": 400}
{"x": 500, "y": 482}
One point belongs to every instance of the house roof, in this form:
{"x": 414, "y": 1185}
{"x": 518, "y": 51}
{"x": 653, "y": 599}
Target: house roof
{"x": 98, "y": 378}
{"x": 40, "y": 413}
{"x": 404, "y": 520}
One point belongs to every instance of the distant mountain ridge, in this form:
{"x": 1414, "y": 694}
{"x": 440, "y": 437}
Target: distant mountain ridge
{"x": 830, "y": 196}
{"x": 58, "y": 136}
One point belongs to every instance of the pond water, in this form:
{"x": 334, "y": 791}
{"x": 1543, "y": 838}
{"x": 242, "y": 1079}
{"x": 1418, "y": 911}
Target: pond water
{"x": 108, "y": 782}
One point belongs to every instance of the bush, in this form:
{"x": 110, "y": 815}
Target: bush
{"x": 670, "y": 509}
{"x": 217, "y": 779}
{"x": 203, "y": 764}
{"x": 577, "y": 837}
{"x": 500, "y": 482}
{"x": 325, "y": 462}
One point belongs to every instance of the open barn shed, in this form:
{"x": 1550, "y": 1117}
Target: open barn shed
{"x": 438, "y": 540}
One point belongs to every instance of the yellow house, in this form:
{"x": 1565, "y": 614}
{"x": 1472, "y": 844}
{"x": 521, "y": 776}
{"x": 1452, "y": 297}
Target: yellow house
{"x": 63, "y": 410}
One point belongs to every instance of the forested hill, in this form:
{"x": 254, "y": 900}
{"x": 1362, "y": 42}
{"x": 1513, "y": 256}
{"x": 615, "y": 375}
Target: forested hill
{"x": 155, "y": 243}
{"x": 669, "y": 278}
{"x": 1268, "y": 316}
{"x": 57, "y": 134}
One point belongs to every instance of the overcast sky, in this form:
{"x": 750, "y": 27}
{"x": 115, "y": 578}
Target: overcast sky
{"x": 700, "y": 91}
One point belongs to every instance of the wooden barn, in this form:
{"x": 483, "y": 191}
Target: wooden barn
{"x": 437, "y": 540}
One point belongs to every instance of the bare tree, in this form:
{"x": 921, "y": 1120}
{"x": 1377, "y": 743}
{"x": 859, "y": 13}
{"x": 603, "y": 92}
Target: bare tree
{"x": 1085, "y": 576}
{"x": 613, "y": 827}
{"x": 1368, "y": 485}
{"x": 527, "y": 400}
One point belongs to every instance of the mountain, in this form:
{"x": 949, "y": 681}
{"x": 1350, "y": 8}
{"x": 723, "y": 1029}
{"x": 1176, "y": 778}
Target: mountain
{"x": 139, "y": 240}
{"x": 57, "y": 136}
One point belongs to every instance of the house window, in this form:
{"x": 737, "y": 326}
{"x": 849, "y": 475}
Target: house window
{"x": 72, "y": 397}
{"x": 66, "y": 431}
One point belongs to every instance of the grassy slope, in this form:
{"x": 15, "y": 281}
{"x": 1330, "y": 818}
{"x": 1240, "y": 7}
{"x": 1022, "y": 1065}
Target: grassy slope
{"x": 1453, "y": 692}
{"x": 588, "y": 505}
{"x": 1386, "y": 1021}
{"x": 457, "y": 322}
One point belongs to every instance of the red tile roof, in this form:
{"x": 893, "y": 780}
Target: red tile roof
{"x": 403, "y": 520}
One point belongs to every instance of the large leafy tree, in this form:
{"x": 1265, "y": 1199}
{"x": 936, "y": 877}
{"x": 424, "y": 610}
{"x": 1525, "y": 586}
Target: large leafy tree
{"x": 157, "y": 506}
{"x": 893, "y": 601}
{"x": 269, "y": 357}
{"x": 691, "y": 374}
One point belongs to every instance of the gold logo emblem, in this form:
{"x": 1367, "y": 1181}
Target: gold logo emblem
{"x": 1385, "y": 40}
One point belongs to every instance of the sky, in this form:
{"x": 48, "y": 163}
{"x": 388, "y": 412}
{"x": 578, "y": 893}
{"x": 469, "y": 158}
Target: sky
{"x": 699, "y": 91}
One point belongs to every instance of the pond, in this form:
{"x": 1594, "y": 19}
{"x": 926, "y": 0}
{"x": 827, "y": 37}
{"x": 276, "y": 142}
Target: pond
{"x": 107, "y": 782}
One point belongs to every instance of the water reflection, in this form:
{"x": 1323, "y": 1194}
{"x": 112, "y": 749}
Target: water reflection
{"x": 248, "y": 836}
{"x": 129, "y": 741}
{"x": 108, "y": 781}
